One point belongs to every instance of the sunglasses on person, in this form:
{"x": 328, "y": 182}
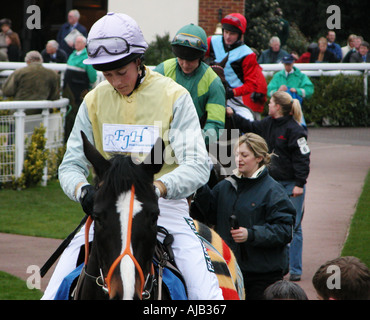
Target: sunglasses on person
{"x": 111, "y": 45}
{"x": 193, "y": 41}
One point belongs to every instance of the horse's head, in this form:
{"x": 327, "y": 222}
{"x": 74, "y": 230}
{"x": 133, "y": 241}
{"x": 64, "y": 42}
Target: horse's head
{"x": 114, "y": 203}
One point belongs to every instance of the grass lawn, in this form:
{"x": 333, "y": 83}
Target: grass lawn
{"x": 358, "y": 241}
{"x": 39, "y": 211}
{"x": 48, "y": 212}
{"x": 13, "y": 288}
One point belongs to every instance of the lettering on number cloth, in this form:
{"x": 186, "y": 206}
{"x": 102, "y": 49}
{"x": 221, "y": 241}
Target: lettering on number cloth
{"x": 129, "y": 138}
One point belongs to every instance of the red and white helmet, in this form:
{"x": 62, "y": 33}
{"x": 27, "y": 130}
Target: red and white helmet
{"x": 237, "y": 20}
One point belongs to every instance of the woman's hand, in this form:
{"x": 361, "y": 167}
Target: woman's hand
{"x": 239, "y": 235}
{"x": 297, "y": 191}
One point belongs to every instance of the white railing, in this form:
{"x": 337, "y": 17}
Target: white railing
{"x": 311, "y": 69}
{"x": 6, "y": 68}
{"x": 326, "y": 69}
{"x": 16, "y": 127}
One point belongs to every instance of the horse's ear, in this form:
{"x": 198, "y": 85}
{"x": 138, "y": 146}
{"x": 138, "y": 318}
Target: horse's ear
{"x": 99, "y": 163}
{"x": 223, "y": 62}
{"x": 153, "y": 163}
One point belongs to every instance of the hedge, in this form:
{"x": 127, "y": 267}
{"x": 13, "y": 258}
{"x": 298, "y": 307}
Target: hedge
{"x": 337, "y": 101}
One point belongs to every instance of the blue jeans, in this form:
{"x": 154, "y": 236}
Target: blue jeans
{"x": 295, "y": 248}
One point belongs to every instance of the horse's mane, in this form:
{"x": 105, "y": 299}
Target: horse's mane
{"x": 121, "y": 175}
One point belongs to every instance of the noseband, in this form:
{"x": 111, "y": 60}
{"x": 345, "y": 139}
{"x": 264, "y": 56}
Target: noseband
{"x": 126, "y": 251}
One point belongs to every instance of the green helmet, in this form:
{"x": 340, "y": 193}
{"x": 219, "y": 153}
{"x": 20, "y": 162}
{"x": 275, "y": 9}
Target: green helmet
{"x": 190, "y": 42}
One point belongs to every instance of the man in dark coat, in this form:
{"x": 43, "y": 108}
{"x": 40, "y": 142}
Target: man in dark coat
{"x": 363, "y": 54}
{"x": 53, "y": 54}
{"x": 67, "y": 28}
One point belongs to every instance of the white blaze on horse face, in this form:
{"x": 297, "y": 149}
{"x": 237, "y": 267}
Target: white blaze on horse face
{"x": 127, "y": 266}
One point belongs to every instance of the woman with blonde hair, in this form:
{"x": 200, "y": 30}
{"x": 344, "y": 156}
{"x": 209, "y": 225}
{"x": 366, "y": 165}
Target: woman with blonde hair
{"x": 288, "y": 140}
{"x": 263, "y": 212}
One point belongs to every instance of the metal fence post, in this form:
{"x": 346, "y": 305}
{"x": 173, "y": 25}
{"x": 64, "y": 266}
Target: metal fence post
{"x": 19, "y": 116}
{"x": 45, "y": 122}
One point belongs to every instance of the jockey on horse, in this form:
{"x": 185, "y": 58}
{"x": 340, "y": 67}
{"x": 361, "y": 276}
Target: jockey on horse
{"x": 135, "y": 99}
{"x": 246, "y": 82}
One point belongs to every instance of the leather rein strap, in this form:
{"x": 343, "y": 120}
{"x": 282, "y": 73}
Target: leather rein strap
{"x": 126, "y": 251}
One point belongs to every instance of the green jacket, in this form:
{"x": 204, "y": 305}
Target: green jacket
{"x": 76, "y": 60}
{"x": 33, "y": 82}
{"x": 206, "y": 90}
{"x": 297, "y": 80}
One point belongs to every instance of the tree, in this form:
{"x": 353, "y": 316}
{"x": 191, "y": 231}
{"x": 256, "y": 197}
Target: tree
{"x": 311, "y": 17}
{"x": 262, "y": 23}
{"x": 159, "y": 50}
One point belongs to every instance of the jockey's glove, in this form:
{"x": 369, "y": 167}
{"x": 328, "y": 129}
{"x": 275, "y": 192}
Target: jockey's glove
{"x": 87, "y": 199}
{"x": 257, "y": 96}
{"x": 229, "y": 93}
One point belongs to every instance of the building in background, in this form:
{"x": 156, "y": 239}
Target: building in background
{"x": 155, "y": 17}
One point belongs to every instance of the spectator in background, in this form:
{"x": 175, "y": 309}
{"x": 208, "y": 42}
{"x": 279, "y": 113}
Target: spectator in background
{"x": 284, "y": 290}
{"x": 306, "y": 56}
{"x": 352, "y": 281}
{"x": 293, "y": 81}
{"x": 52, "y": 53}
{"x": 350, "y": 45}
{"x": 78, "y": 79}
{"x": 33, "y": 82}
{"x": 357, "y": 43}
{"x": 5, "y": 25}
{"x": 3, "y": 56}
{"x": 242, "y": 72}
{"x": 332, "y": 46}
{"x": 363, "y": 54}
{"x": 65, "y": 30}
{"x": 14, "y": 47}
{"x": 274, "y": 54}
{"x": 322, "y": 54}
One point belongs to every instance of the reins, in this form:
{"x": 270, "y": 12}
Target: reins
{"x": 126, "y": 251}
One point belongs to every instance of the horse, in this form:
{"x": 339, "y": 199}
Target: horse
{"x": 125, "y": 226}
{"x": 120, "y": 260}
{"x": 226, "y": 142}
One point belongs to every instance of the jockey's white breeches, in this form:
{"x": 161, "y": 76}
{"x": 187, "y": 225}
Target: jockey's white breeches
{"x": 201, "y": 281}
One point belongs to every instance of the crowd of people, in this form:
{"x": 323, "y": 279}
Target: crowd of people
{"x": 264, "y": 194}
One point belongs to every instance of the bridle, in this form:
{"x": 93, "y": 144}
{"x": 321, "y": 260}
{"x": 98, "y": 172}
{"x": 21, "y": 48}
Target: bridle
{"x": 127, "y": 251}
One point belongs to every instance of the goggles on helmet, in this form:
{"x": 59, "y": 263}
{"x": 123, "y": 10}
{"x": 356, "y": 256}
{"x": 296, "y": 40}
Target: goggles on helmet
{"x": 191, "y": 40}
{"x": 111, "y": 45}
{"x": 233, "y": 19}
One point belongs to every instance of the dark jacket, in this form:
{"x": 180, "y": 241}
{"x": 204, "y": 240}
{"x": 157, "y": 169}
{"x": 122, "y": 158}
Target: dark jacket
{"x": 288, "y": 140}
{"x": 64, "y": 31}
{"x": 262, "y": 206}
{"x": 328, "y": 56}
{"x": 356, "y": 57}
{"x": 60, "y": 56}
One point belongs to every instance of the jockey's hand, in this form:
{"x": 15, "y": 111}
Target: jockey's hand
{"x": 229, "y": 93}
{"x": 229, "y": 111}
{"x": 87, "y": 199}
{"x": 257, "y": 96}
{"x": 239, "y": 235}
